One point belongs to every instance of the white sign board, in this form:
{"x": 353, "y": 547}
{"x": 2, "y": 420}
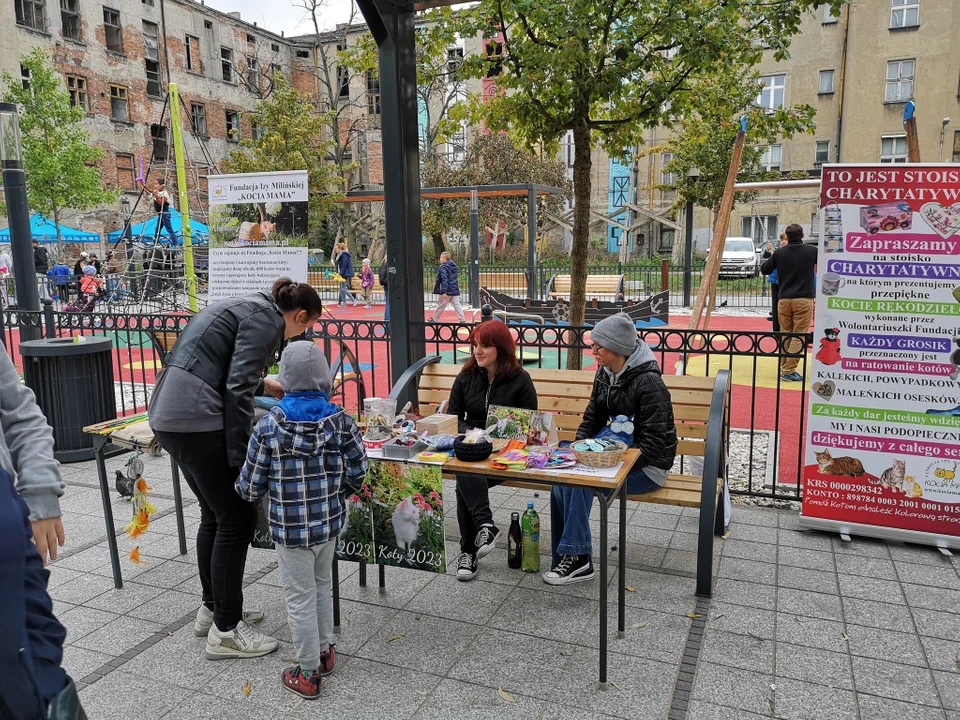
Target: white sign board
{"x": 286, "y": 186}
{"x": 246, "y": 270}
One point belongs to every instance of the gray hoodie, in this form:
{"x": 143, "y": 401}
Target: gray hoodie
{"x": 26, "y": 445}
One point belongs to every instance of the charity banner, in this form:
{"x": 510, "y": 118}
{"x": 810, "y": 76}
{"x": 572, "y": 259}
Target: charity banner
{"x": 396, "y": 517}
{"x": 243, "y": 271}
{"x": 259, "y": 209}
{"x": 883, "y": 429}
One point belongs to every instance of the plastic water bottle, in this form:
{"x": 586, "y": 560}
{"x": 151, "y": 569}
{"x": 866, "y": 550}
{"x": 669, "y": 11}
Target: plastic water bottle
{"x": 530, "y": 560}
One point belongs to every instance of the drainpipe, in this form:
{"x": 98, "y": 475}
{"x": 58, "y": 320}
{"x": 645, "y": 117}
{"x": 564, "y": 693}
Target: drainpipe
{"x": 163, "y": 32}
{"x": 843, "y": 76}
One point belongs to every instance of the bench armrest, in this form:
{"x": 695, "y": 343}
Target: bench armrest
{"x": 715, "y": 453}
{"x": 412, "y": 373}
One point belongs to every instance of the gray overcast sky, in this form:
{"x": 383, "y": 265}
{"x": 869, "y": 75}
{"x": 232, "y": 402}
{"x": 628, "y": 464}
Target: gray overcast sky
{"x": 284, "y": 15}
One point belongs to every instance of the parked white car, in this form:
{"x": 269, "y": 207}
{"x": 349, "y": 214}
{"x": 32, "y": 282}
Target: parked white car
{"x": 739, "y": 258}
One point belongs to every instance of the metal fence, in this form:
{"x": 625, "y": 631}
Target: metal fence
{"x": 767, "y": 416}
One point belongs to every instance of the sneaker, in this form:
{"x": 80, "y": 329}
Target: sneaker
{"x": 571, "y": 569}
{"x": 486, "y": 540}
{"x": 241, "y": 642}
{"x": 306, "y": 685}
{"x": 204, "y": 621}
{"x": 466, "y": 566}
{"x": 792, "y": 377}
{"x": 327, "y": 660}
{"x": 366, "y": 307}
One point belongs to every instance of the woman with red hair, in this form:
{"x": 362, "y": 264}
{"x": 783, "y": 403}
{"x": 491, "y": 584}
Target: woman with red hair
{"x": 491, "y": 376}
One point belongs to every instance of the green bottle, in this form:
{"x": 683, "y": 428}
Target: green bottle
{"x": 530, "y": 524}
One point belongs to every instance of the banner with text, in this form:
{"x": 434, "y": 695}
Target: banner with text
{"x": 242, "y": 271}
{"x": 267, "y": 209}
{"x": 883, "y": 436}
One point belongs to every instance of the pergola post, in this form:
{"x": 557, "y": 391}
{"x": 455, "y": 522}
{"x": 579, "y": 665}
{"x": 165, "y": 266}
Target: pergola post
{"x": 532, "y": 243}
{"x": 474, "y": 249}
{"x": 392, "y": 24}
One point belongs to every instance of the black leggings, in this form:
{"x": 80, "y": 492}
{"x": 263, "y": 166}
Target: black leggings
{"x": 775, "y": 301}
{"x": 473, "y": 509}
{"x": 226, "y": 521}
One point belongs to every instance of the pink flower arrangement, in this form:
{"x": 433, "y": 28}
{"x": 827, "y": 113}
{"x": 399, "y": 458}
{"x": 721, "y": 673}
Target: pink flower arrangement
{"x": 354, "y": 499}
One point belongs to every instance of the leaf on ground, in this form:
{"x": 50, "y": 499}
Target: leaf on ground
{"x": 637, "y": 625}
{"x": 394, "y": 638}
{"x": 799, "y": 619}
{"x": 505, "y": 695}
{"x": 247, "y": 689}
{"x": 845, "y": 636}
{"x": 628, "y": 588}
{"x": 727, "y": 534}
{"x": 958, "y": 663}
{"x": 694, "y": 616}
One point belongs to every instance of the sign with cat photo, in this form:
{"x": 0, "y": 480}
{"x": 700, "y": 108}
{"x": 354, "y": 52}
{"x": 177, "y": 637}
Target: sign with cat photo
{"x": 883, "y": 436}
{"x": 396, "y": 518}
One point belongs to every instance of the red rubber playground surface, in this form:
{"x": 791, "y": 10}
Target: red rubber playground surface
{"x": 759, "y": 400}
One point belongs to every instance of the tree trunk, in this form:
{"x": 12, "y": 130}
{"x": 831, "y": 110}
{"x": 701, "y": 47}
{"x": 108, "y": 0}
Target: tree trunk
{"x": 582, "y": 191}
{"x": 56, "y": 223}
{"x": 438, "y": 245}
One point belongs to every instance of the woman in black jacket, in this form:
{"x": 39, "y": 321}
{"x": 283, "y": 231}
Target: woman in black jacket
{"x": 492, "y": 376}
{"x": 202, "y": 414}
{"x": 628, "y": 383}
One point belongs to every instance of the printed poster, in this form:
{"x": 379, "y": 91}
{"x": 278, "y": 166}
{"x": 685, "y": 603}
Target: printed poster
{"x": 883, "y": 435}
{"x": 245, "y": 270}
{"x": 259, "y": 209}
{"x": 396, "y": 518}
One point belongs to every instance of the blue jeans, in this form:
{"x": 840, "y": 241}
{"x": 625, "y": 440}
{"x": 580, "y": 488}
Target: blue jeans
{"x": 386, "y": 310}
{"x": 570, "y": 515}
{"x": 345, "y": 294}
{"x": 166, "y": 225}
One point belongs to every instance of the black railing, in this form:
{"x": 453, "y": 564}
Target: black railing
{"x": 767, "y": 415}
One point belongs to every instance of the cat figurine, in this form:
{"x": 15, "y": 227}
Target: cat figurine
{"x": 892, "y": 477}
{"x": 845, "y": 466}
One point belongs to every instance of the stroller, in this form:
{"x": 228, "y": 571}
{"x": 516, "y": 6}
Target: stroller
{"x": 85, "y": 303}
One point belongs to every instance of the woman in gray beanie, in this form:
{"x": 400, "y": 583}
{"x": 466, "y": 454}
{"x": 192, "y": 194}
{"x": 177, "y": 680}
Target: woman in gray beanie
{"x": 628, "y": 383}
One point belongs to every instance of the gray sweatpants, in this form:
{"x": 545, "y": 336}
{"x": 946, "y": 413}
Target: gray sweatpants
{"x": 306, "y": 574}
{"x": 453, "y": 300}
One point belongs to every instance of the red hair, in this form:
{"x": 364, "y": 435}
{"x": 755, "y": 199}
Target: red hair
{"x": 497, "y": 334}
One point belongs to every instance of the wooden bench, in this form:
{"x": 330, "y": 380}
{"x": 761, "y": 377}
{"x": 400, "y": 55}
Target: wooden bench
{"x": 319, "y": 282}
{"x": 701, "y": 410}
{"x": 599, "y": 287}
{"x": 512, "y": 283}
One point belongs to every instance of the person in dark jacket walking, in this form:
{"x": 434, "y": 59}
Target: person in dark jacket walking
{"x": 344, "y": 264}
{"x": 628, "y": 383}
{"x": 382, "y": 276}
{"x": 202, "y": 414}
{"x": 491, "y": 376}
{"x": 448, "y": 288}
{"x": 796, "y": 265}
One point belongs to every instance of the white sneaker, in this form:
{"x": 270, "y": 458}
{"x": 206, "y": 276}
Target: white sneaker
{"x": 204, "y": 621}
{"x": 241, "y": 642}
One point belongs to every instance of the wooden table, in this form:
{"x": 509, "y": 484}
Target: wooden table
{"x": 606, "y": 491}
{"x": 100, "y": 440}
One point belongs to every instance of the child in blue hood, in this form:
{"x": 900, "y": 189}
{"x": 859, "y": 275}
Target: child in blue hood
{"x": 304, "y": 455}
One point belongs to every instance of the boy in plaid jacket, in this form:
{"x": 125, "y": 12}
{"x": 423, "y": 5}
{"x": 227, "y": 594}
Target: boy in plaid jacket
{"x": 306, "y": 453}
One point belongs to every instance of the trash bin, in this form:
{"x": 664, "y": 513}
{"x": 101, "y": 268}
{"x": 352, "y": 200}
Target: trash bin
{"x": 73, "y": 382}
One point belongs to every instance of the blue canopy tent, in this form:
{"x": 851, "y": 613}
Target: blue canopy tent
{"x": 44, "y": 231}
{"x": 147, "y": 231}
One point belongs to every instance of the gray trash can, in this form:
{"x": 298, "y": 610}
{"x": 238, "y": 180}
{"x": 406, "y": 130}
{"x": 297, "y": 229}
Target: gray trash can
{"x": 73, "y": 382}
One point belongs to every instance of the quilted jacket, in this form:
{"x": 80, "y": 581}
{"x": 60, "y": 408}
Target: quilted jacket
{"x": 472, "y": 394}
{"x": 447, "y": 282}
{"x": 637, "y": 392}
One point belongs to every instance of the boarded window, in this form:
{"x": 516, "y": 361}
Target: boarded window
{"x": 125, "y": 173}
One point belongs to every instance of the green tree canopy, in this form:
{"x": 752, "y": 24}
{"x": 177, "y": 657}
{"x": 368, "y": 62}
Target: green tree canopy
{"x": 58, "y": 159}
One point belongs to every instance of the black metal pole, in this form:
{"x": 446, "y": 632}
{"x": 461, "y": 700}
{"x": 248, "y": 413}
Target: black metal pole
{"x": 18, "y": 215}
{"x": 688, "y": 255}
{"x": 532, "y": 244}
{"x": 474, "y": 249}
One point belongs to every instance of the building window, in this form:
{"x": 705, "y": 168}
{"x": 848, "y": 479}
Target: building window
{"x": 568, "y": 144}
{"x": 251, "y": 40}
{"x": 458, "y": 146}
{"x": 70, "y": 19}
{"x": 303, "y": 54}
{"x": 274, "y": 47}
{"x": 454, "y": 60}
{"x": 253, "y": 74}
{"x": 904, "y": 13}
{"x": 119, "y": 109}
{"x": 207, "y": 25}
{"x": 158, "y": 133}
{"x": 151, "y": 42}
{"x": 226, "y": 64}
{"x": 822, "y": 153}
{"x": 826, "y": 82}
{"x": 373, "y": 93}
{"x": 893, "y": 149}
{"x": 770, "y": 158}
{"x": 192, "y": 49}
{"x": 667, "y": 178}
{"x": 256, "y": 132}
{"x": 149, "y": 3}
{"x": 829, "y": 16}
{"x": 899, "y": 84}
{"x": 771, "y": 94}
{"x": 77, "y": 87}
{"x": 203, "y": 173}
{"x": 494, "y": 59}
{"x": 112, "y": 30}
{"x": 233, "y": 126}
{"x": 198, "y": 119}
{"x": 343, "y": 75}
{"x": 762, "y": 228}
{"x": 274, "y": 69}
{"x": 31, "y": 14}
{"x": 24, "y": 77}
{"x": 125, "y": 173}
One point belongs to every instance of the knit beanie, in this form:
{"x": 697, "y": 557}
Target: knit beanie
{"x": 616, "y": 333}
{"x": 304, "y": 368}
{"x": 89, "y": 270}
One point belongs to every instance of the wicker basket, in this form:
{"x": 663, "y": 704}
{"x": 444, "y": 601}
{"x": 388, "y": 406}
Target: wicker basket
{"x": 471, "y": 452}
{"x": 608, "y": 458}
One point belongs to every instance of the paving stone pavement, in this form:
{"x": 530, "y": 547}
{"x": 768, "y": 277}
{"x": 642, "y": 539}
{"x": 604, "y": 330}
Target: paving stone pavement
{"x": 801, "y": 626}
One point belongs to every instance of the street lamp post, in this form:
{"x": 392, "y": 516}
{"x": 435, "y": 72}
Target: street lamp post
{"x": 693, "y": 175}
{"x": 943, "y": 130}
{"x": 18, "y": 216}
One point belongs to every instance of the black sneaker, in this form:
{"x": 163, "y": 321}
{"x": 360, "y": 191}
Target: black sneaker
{"x": 486, "y": 540}
{"x": 466, "y": 567}
{"x": 571, "y": 569}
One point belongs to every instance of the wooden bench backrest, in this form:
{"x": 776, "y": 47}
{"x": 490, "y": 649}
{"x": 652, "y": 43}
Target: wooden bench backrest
{"x": 566, "y": 393}
{"x": 495, "y": 280}
{"x": 595, "y": 283}
{"x": 319, "y": 282}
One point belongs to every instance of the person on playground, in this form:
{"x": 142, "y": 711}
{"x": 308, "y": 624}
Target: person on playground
{"x": 774, "y": 284}
{"x": 162, "y": 206}
{"x": 366, "y": 282}
{"x": 628, "y": 382}
{"x": 796, "y": 267}
{"x": 202, "y": 414}
{"x": 382, "y": 277}
{"x": 448, "y": 288}
{"x": 491, "y": 376}
{"x": 304, "y": 455}
{"x": 343, "y": 261}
